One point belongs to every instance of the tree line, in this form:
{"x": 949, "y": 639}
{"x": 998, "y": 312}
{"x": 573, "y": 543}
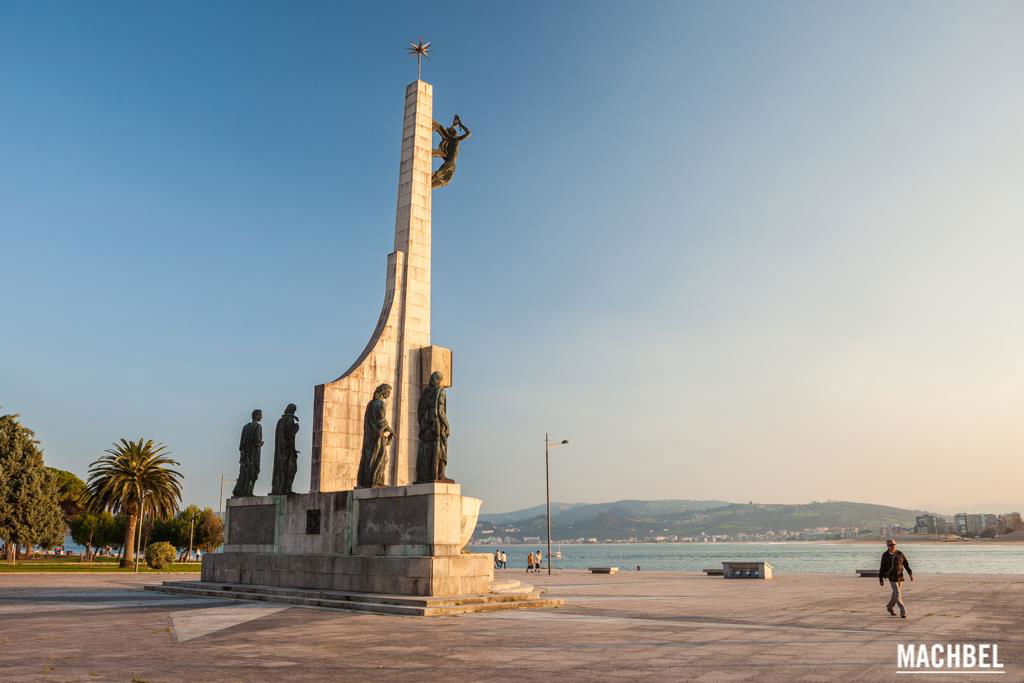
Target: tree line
{"x": 131, "y": 499}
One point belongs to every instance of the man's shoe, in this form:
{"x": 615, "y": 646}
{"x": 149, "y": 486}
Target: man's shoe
{"x": 903, "y": 615}
{"x": 889, "y": 610}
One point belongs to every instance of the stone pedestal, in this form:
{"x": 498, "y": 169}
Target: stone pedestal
{"x": 399, "y": 540}
{"x": 469, "y": 574}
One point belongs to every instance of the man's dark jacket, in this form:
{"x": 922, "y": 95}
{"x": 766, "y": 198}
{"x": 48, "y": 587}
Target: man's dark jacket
{"x": 892, "y": 567}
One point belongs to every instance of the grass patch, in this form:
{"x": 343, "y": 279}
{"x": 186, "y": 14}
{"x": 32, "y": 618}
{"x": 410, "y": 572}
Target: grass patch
{"x": 102, "y": 566}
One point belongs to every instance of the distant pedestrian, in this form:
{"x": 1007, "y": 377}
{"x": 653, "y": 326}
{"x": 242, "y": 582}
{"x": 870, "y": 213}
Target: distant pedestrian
{"x": 537, "y": 561}
{"x": 504, "y": 560}
{"x": 497, "y": 559}
{"x": 529, "y": 563}
{"x": 892, "y": 566}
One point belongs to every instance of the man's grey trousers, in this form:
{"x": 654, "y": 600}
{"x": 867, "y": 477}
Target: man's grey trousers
{"x": 897, "y": 596}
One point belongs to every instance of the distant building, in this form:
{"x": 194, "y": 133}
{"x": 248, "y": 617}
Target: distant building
{"x": 930, "y": 524}
{"x": 1011, "y": 522}
{"x": 967, "y": 524}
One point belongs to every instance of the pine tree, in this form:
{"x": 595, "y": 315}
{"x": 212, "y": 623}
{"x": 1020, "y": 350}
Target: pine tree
{"x": 29, "y": 509}
{"x": 70, "y": 493}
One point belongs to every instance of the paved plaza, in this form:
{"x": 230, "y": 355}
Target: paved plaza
{"x": 629, "y": 626}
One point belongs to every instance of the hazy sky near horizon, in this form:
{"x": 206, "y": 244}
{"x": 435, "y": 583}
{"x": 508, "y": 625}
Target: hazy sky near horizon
{"x": 742, "y": 251}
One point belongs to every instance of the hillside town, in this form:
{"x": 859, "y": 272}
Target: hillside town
{"x": 930, "y": 526}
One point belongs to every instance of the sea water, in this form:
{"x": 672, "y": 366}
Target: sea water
{"x": 794, "y": 557}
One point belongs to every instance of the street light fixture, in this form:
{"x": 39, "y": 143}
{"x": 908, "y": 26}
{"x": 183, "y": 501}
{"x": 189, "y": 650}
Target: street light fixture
{"x": 547, "y": 478}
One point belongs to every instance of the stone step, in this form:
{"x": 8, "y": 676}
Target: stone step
{"x": 365, "y": 602}
{"x": 292, "y": 600}
{"x": 511, "y": 586}
{"x": 538, "y": 603}
{"x": 400, "y": 600}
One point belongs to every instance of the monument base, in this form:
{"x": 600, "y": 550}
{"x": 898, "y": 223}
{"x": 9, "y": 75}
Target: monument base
{"x": 505, "y": 595}
{"x": 392, "y": 540}
{"x": 432, "y": 519}
{"x": 464, "y": 574}
{"x": 393, "y": 549}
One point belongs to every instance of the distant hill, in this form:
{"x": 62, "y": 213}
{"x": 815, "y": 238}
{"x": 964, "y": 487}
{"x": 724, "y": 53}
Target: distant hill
{"x": 633, "y": 518}
{"x": 527, "y": 513}
{"x": 572, "y": 512}
{"x": 760, "y": 516}
{"x": 637, "y": 509}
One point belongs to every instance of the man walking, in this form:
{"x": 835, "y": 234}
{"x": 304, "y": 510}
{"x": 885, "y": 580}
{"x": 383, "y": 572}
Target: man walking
{"x": 892, "y": 566}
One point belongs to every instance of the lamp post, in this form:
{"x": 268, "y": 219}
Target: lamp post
{"x": 547, "y": 480}
{"x": 191, "y": 530}
{"x": 220, "y": 499}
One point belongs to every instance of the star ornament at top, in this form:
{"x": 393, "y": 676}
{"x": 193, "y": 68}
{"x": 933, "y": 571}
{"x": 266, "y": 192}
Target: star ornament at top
{"x": 422, "y": 51}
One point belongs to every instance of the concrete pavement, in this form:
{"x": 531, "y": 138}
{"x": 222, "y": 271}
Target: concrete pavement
{"x": 628, "y": 626}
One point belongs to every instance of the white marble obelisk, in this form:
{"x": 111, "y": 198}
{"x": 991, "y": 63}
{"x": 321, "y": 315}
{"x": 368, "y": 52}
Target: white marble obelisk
{"x": 399, "y": 352}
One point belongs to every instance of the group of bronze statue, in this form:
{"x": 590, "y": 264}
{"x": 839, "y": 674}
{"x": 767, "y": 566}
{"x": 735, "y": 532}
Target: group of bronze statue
{"x": 285, "y": 456}
{"x": 431, "y": 458}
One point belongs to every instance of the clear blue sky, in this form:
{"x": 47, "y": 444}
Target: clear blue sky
{"x": 747, "y": 251}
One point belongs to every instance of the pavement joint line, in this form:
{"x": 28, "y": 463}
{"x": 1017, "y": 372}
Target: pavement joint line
{"x": 687, "y": 623}
{"x": 45, "y": 607}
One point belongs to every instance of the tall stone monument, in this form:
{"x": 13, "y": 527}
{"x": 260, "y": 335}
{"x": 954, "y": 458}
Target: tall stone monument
{"x": 341, "y": 545}
{"x": 399, "y": 352}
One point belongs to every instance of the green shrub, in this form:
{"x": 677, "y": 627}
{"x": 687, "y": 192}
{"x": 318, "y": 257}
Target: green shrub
{"x": 159, "y": 555}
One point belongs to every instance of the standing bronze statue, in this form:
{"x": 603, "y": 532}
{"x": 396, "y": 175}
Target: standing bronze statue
{"x": 377, "y": 437}
{"x": 285, "y": 456}
{"x": 432, "y": 456}
{"x": 249, "y": 456}
{"x": 448, "y": 149}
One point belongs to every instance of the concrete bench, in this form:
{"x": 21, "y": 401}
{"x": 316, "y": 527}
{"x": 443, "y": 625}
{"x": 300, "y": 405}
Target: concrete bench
{"x": 746, "y": 570}
{"x": 603, "y": 570}
{"x": 714, "y": 572}
{"x": 872, "y": 573}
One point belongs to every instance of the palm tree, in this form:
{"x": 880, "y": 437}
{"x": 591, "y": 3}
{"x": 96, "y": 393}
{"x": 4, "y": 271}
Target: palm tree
{"x": 134, "y": 477}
